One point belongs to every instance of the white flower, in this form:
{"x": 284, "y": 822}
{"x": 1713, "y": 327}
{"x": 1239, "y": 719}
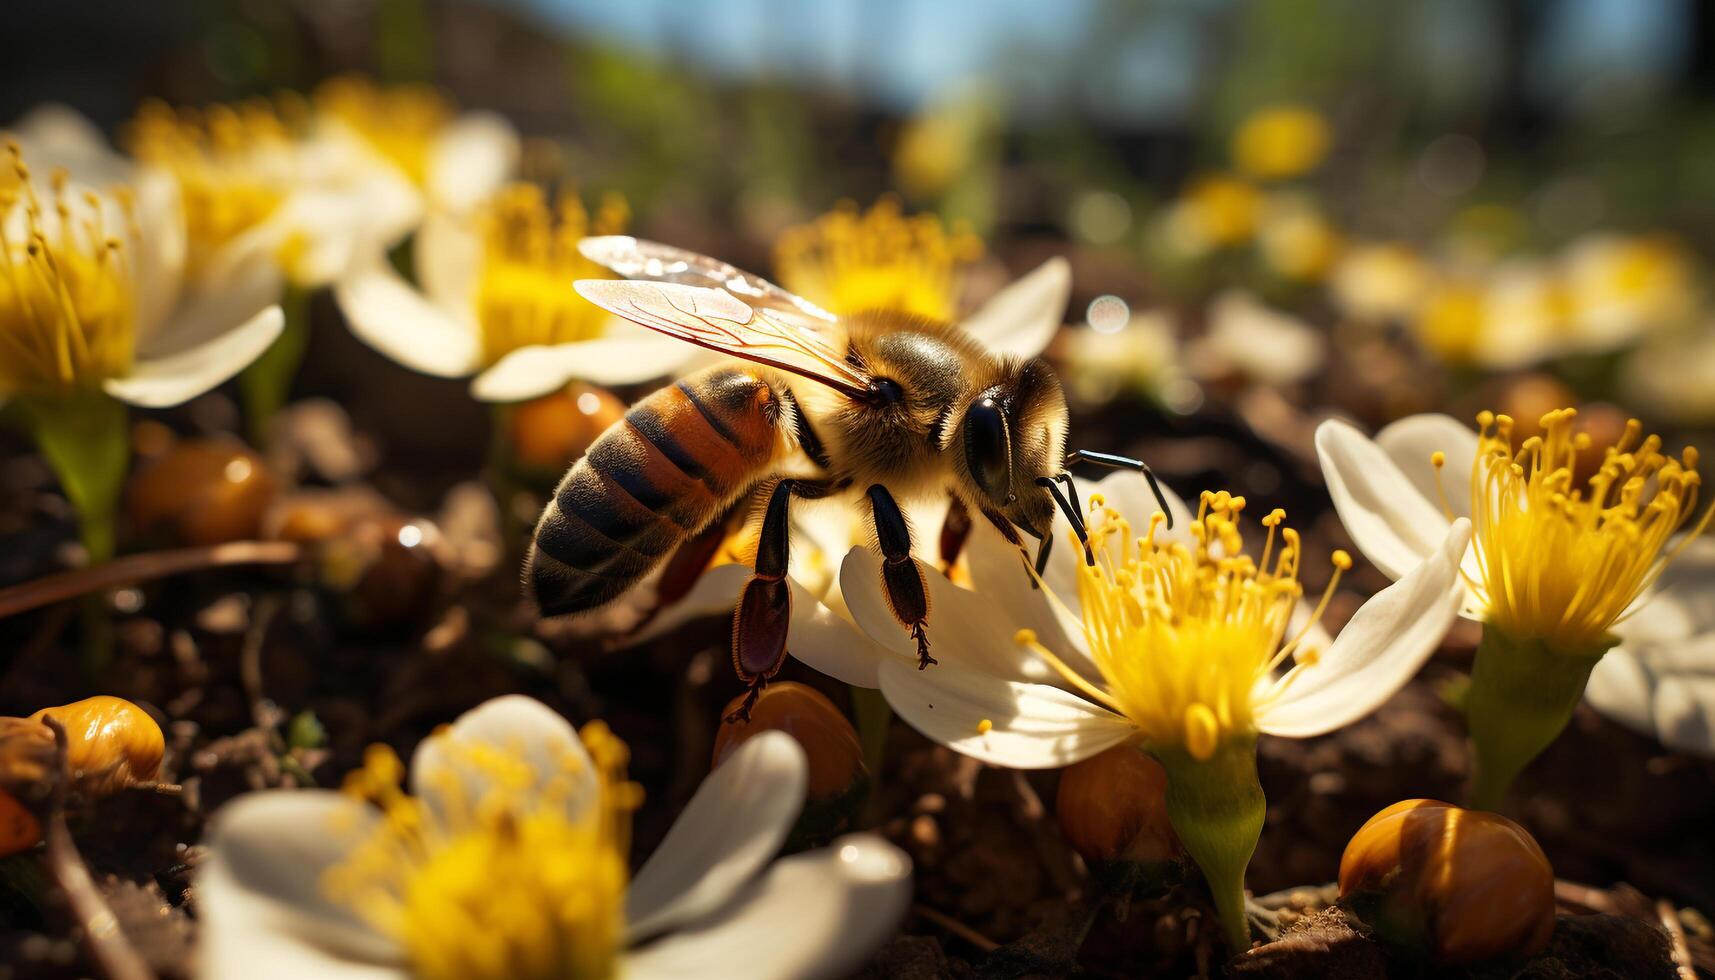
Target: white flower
{"x": 1578, "y": 570}
{"x": 1264, "y": 344}
{"x": 94, "y": 296}
{"x": 1379, "y": 283}
{"x": 1622, "y": 287}
{"x": 439, "y": 160}
{"x": 496, "y": 301}
{"x": 508, "y": 860}
{"x": 1183, "y": 651}
{"x": 1667, "y": 377}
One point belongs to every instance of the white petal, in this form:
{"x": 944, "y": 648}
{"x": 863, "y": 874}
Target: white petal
{"x": 515, "y": 724}
{"x": 530, "y": 372}
{"x": 1394, "y": 525}
{"x": 814, "y": 915}
{"x": 241, "y": 281}
{"x": 1410, "y": 442}
{"x": 1623, "y": 690}
{"x": 54, "y": 136}
{"x": 177, "y": 378}
{"x": 1034, "y": 726}
{"x": 448, "y": 257}
{"x": 964, "y": 627}
{"x": 1021, "y": 319}
{"x": 1682, "y": 602}
{"x": 400, "y": 322}
{"x": 475, "y": 155}
{"x": 158, "y": 251}
{"x": 260, "y": 891}
{"x": 1685, "y": 710}
{"x": 1381, "y": 648}
{"x": 734, "y": 824}
{"x": 1266, "y": 344}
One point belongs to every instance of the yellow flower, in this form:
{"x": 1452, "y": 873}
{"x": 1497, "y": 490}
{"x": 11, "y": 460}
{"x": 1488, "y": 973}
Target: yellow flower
{"x": 1379, "y": 282}
{"x": 465, "y": 889}
{"x": 1562, "y": 559}
{"x": 400, "y": 123}
{"x": 849, "y": 261}
{"x": 1216, "y": 211}
{"x": 1280, "y": 142}
{"x": 1297, "y": 241}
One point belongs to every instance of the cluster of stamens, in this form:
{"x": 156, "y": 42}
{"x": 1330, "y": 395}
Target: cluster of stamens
{"x": 232, "y": 164}
{"x": 401, "y": 123}
{"x": 509, "y": 872}
{"x": 1562, "y": 560}
{"x": 850, "y": 261}
{"x": 530, "y": 259}
{"x": 1183, "y": 633}
{"x": 67, "y": 303}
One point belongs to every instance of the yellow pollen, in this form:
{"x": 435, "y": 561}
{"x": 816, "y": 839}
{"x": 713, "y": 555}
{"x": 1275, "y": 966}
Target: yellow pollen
{"x": 1187, "y": 635}
{"x": 530, "y": 259}
{"x": 233, "y": 164}
{"x": 851, "y": 262}
{"x": 400, "y": 123}
{"x": 68, "y": 311}
{"x": 985, "y": 726}
{"x": 523, "y": 877}
{"x": 1562, "y": 560}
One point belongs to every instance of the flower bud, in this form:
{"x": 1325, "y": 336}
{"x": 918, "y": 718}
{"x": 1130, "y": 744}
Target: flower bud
{"x": 1112, "y": 807}
{"x": 838, "y": 781}
{"x": 110, "y": 743}
{"x": 200, "y": 492}
{"x": 1462, "y": 885}
{"x": 549, "y": 433}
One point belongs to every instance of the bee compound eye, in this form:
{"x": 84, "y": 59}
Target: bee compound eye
{"x": 988, "y": 447}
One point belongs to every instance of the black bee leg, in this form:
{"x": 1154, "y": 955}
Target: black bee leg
{"x": 764, "y": 614}
{"x": 1122, "y": 463}
{"x": 907, "y": 593}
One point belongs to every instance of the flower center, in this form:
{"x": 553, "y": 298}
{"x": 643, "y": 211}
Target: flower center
{"x": 850, "y": 262}
{"x": 1563, "y": 561}
{"x": 231, "y": 163}
{"x": 529, "y": 261}
{"x": 514, "y": 880}
{"x": 400, "y": 123}
{"x": 67, "y": 306}
{"x": 1185, "y": 635}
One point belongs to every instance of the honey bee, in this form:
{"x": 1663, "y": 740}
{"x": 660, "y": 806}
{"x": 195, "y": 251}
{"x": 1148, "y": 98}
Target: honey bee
{"x": 874, "y": 406}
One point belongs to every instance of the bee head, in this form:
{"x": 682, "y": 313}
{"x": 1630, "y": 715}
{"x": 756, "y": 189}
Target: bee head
{"x": 1012, "y": 434}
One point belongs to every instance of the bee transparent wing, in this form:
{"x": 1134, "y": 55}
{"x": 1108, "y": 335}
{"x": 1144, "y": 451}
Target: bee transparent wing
{"x": 636, "y": 258}
{"x": 715, "y": 318}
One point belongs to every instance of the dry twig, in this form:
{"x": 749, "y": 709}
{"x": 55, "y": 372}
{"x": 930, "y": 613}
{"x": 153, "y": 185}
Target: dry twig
{"x": 132, "y": 569}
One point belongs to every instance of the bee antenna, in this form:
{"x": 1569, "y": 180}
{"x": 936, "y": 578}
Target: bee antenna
{"x": 1124, "y": 463}
{"x": 1066, "y": 507}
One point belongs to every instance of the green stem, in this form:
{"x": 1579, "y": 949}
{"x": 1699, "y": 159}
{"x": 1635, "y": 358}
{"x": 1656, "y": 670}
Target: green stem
{"x": 1216, "y": 807}
{"x": 1521, "y": 697}
{"x": 502, "y": 480}
{"x": 873, "y": 718}
{"x": 266, "y": 383}
{"x": 86, "y": 441}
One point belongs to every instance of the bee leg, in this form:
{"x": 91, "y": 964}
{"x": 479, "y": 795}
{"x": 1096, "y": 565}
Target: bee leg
{"x": 764, "y": 613}
{"x": 907, "y": 593}
{"x": 954, "y": 531}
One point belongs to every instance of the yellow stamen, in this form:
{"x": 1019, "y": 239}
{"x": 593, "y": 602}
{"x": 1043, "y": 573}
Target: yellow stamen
{"x": 517, "y": 880}
{"x": 1562, "y": 561}
{"x": 400, "y": 123}
{"x": 68, "y": 306}
{"x": 1184, "y": 635}
{"x": 233, "y": 165}
{"x": 530, "y": 259}
{"x": 851, "y": 262}
{"x": 985, "y": 726}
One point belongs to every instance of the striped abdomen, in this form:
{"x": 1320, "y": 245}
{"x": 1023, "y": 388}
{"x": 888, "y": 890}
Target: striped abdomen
{"x": 676, "y": 462}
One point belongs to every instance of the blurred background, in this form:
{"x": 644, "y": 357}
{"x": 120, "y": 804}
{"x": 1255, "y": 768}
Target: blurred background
{"x": 1377, "y": 208}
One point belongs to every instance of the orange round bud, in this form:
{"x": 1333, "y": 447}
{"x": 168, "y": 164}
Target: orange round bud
{"x": 1465, "y": 885}
{"x": 200, "y": 492}
{"x": 110, "y": 743}
{"x": 549, "y": 433}
{"x": 828, "y": 739}
{"x": 19, "y": 829}
{"x": 1113, "y": 807}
